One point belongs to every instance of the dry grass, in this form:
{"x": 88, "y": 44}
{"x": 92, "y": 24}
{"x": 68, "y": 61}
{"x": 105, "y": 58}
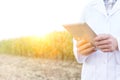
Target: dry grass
{"x": 22, "y": 68}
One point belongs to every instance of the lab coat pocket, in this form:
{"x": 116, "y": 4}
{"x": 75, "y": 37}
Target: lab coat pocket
{"x": 88, "y": 72}
{"x": 118, "y": 72}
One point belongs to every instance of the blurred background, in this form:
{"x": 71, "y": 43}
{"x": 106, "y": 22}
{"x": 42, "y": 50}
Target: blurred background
{"x": 32, "y": 36}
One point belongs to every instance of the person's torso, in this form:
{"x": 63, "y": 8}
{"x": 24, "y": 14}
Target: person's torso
{"x": 103, "y": 66}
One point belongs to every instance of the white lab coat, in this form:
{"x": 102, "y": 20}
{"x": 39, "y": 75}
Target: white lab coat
{"x": 100, "y": 65}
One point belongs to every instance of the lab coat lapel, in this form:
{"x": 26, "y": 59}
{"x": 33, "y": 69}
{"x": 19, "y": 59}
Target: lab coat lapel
{"x": 99, "y": 5}
{"x": 116, "y": 7}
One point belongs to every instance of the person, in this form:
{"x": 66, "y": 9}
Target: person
{"x": 101, "y": 61}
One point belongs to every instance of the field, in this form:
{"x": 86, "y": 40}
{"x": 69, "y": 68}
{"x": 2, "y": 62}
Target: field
{"x": 24, "y": 68}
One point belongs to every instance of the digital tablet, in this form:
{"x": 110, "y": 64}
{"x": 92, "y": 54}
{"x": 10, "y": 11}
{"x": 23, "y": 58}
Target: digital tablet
{"x": 80, "y": 31}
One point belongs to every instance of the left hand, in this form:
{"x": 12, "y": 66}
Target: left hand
{"x": 85, "y": 48}
{"x": 106, "y": 43}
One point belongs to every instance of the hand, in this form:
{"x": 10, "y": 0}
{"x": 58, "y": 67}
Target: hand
{"x": 106, "y": 42}
{"x": 85, "y": 48}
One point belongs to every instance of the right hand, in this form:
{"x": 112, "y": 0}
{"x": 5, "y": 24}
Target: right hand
{"x": 85, "y": 48}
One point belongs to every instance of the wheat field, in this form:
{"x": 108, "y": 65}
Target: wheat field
{"x": 24, "y": 68}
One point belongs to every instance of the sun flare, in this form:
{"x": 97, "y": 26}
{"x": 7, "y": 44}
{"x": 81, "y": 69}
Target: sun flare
{"x": 37, "y": 17}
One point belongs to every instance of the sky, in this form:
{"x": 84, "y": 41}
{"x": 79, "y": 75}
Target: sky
{"x": 37, "y": 17}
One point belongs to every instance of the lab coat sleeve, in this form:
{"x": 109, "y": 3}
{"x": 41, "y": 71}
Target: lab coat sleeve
{"x": 118, "y": 40}
{"x": 79, "y": 58}
{"x": 82, "y": 18}
{"x": 84, "y": 13}
{"x": 117, "y": 53}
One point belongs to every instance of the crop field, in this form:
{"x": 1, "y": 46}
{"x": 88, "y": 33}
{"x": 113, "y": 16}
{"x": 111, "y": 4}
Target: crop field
{"x": 24, "y": 68}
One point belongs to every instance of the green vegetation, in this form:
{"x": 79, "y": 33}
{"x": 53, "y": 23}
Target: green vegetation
{"x": 56, "y": 45}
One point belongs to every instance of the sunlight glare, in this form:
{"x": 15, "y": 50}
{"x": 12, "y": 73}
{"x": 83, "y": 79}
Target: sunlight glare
{"x": 37, "y": 17}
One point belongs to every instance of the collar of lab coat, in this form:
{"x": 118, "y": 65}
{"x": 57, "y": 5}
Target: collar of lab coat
{"x": 99, "y": 5}
{"x": 116, "y": 7}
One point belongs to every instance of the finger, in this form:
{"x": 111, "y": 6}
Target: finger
{"x": 81, "y": 42}
{"x": 102, "y": 37}
{"x": 85, "y": 46}
{"x": 88, "y": 51}
{"x": 102, "y": 42}
{"x": 104, "y": 46}
{"x": 107, "y": 50}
